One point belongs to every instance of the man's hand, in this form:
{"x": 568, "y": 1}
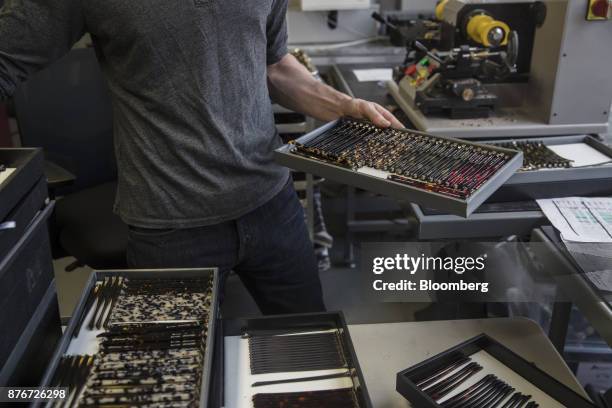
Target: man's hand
{"x": 292, "y": 86}
{"x": 360, "y": 109}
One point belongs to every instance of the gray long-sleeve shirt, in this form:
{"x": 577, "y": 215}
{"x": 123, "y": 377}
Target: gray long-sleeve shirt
{"x": 194, "y": 130}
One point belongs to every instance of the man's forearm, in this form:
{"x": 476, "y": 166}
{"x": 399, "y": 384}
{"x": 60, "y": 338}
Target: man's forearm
{"x": 292, "y": 86}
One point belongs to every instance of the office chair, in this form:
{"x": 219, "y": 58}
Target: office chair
{"x": 66, "y": 110}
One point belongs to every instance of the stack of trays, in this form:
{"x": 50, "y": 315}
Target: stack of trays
{"x": 483, "y": 373}
{"x": 139, "y": 338}
{"x": 448, "y": 174}
{"x": 27, "y": 289}
{"x": 298, "y": 361}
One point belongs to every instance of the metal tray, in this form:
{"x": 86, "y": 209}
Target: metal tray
{"x": 561, "y": 182}
{"x": 379, "y": 184}
{"x": 97, "y": 276}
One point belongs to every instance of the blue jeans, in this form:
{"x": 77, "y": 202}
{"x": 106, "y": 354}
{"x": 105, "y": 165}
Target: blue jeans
{"x": 269, "y": 249}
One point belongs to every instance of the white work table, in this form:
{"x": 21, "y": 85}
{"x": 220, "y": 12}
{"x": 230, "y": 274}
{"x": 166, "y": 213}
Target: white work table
{"x": 385, "y": 349}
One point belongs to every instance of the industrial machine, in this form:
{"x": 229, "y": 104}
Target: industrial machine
{"x": 556, "y": 96}
{"x": 468, "y": 50}
{"x": 508, "y": 68}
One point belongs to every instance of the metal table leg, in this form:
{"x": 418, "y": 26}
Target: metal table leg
{"x": 349, "y": 249}
{"x": 310, "y": 204}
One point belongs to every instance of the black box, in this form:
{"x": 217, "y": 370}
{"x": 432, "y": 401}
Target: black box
{"x": 503, "y": 355}
{"x": 22, "y": 215}
{"x": 25, "y": 274}
{"x": 297, "y": 323}
{"x": 29, "y": 166}
{"x": 27, "y": 362}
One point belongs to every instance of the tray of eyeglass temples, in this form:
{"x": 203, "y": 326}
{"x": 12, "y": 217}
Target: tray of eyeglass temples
{"x": 483, "y": 373}
{"x": 437, "y": 172}
{"x": 139, "y": 337}
{"x": 546, "y": 174}
{"x": 297, "y": 360}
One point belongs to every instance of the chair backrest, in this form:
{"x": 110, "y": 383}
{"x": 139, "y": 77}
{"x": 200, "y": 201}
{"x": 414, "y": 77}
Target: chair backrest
{"x": 66, "y": 110}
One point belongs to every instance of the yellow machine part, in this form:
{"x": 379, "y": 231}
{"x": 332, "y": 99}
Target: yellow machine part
{"x": 479, "y": 27}
{"x": 440, "y": 9}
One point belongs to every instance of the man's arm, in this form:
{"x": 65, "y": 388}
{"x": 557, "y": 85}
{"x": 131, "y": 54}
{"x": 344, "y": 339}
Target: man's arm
{"x": 34, "y": 33}
{"x": 292, "y": 86}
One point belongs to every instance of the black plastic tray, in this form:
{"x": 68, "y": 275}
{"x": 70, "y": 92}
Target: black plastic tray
{"x": 303, "y": 322}
{"x": 524, "y": 368}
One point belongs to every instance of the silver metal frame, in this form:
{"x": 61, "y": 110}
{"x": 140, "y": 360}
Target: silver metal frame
{"x": 479, "y": 225}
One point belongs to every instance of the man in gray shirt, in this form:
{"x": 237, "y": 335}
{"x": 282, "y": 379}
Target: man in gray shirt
{"x": 191, "y": 82}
